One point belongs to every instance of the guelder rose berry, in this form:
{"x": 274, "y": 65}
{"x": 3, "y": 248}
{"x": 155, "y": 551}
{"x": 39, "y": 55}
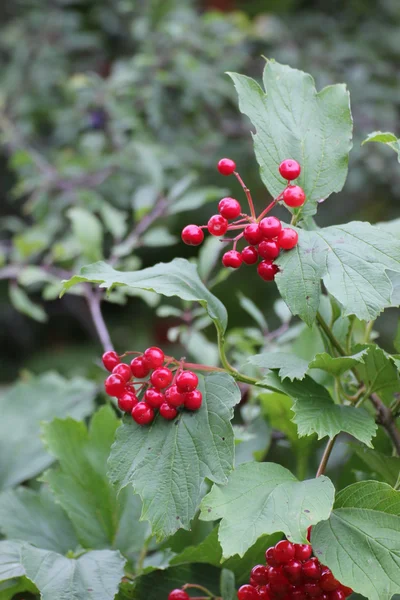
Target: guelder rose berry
{"x": 161, "y": 377}
{"x": 143, "y": 414}
{"x": 270, "y": 227}
{"x": 247, "y": 592}
{"x": 193, "y": 400}
{"x": 226, "y": 166}
{"x": 114, "y": 385}
{"x": 110, "y": 360}
{"x": 174, "y": 397}
{"x": 289, "y": 169}
{"x": 268, "y": 249}
{"x": 192, "y": 235}
{"x": 139, "y": 367}
{"x": 154, "y": 397}
{"x": 123, "y": 371}
{"x": 288, "y": 238}
{"x": 294, "y": 196}
{"x": 284, "y": 552}
{"x": 232, "y": 259}
{"x": 217, "y": 225}
{"x": 252, "y": 234}
{"x": 154, "y": 357}
{"x": 127, "y": 401}
{"x": 187, "y": 381}
{"x": 249, "y": 255}
{"x": 267, "y": 270}
{"x": 229, "y": 208}
{"x": 178, "y": 595}
{"x": 168, "y": 412}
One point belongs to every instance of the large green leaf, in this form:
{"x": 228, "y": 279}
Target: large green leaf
{"x": 337, "y": 365}
{"x": 88, "y": 231}
{"x": 385, "y": 468}
{"x": 360, "y": 541}
{"x": 34, "y": 517}
{"x": 167, "y": 463}
{"x": 10, "y": 560}
{"x": 352, "y": 260}
{"x": 315, "y": 411}
{"x": 379, "y": 372}
{"x": 22, "y": 454}
{"x": 292, "y": 120}
{"x": 177, "y": 278}
{"x": 81, "y": 486}
{"x": 264, "y": 498}
{"x": 384, "y": 138}
{"x": 289, "y": 366}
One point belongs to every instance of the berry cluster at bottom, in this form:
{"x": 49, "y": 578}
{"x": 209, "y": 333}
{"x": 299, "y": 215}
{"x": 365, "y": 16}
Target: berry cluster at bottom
{"x": 292, "y": 573}
{"x": 165, "y": 390}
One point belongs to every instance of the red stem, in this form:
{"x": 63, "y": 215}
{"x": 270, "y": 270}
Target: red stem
{"x": 270, "y": 207}
{"x": 247, "y": 192}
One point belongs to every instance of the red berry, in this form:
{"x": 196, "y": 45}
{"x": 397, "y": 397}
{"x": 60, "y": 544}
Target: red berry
{"x": 294, "y": 196}
{"x": 123, "y": 371}
{"x": 174, "y": 397}
{"x": 252, "y": 234}
{"x": 139, "y": 367}
{"x": 247, "y": 592}
{"x": 226, "y": 166}
{"x": 302, "y": 551}
{"x": 284, "y": 551}
{"x": 114, "y": 385}
{"x": 142, "y": 413}
{"x": 110, "y": 360}
{"x": 293, "y": 571}
{"x": 253, "y": 583}
{"x": 168, "y": 412}
{"x": 270, "y": 227}
{"x": 127, "y": 401}
{"x": 161, "y": 377}
{"x": 298, "y": 594}
{"x": 249, "y": 255}
{"x": 217, "y": 225}
{"x": 312, "y": 568}
{"x": 192, "y": 235}
{"x": 280, "y": 587}
{"x": 270, "y": 557}
{"x": 327, "y": 582}
{"x": 154, "y": 357}
{"x": 154, "y": 397}
{"x": 289, "y": 169}
{"x": 312, "y": 589}
{"x": 288, "y": 238}
{"x": 267, "y": 270}
{"x": 229, "y": 208}
{"x": 309, "y": 534}
{"x": 268, "y": 249}
{"x": 193, "y": 400}
{"x": 337, "y": 595}
{"x": 259, "y": 574}
{"x": 232, "y": 259}
{"x": 264, "y": 593}
{"x": 178, "y": 595}
{"x": 187, "y": 381}
{"x": 347, "y": 591}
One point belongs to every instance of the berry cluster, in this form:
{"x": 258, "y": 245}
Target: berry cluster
{"x": 265, "y": 235}
{"x": 167, "y": 390}
{"x": 292, "y": 573}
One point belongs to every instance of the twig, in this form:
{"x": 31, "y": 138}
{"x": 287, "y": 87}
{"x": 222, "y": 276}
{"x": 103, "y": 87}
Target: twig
{"x": 325, "y": 457}
{"x": 94, "y": 303}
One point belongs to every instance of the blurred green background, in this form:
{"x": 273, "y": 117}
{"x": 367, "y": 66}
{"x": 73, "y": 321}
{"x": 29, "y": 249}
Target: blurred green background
{"x": 108, "y": 105}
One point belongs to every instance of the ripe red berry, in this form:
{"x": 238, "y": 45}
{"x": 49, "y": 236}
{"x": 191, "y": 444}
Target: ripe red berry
{"x": 267, "y": 270}
{"x": 229, "y": 208}
{"x": 161, "y": 377}
{"x": 312, "y": 568}
{"x": 249, "y": 255}
{"x": 252, "y": 234}
{"x": 302, "y": 551}
{"x": 127, "y": 401}
{"x": 174, "y": 397}
{"x": 268, "y": 249}
{"x": 187, "y": 381}
{"x": 114, "y": 385}
{"x": 139, "y": 367}
{"x": 298, "y": 594}
{"x": 270, "y": 557}
{"x": 247, "y": 592}
{"x": 192, "y": 235}
{"x": 232, "y": 259}
{"x": 347, "y": 591}
{"x": 142, "y": 413}
{"x": 193, "y": 400}
{"x": 264, "y": 593}
{"x": 226, "y": 166}
{"x": 293, "y": 571}
{"x": 294, "y": 196}
{"x": 270, "y": 227}
{"x": 312, "y": 589}
{"x": 154, "y": 397}
{"x": 289, "y": 169}
{"x": 110, "y": 360}
{"x": 178, "y": 595}
{"x": 123, "y": 371}
{"x": 328, "y": 582}
{"x": 168, "y": 412}
{"x": 154, "y": 357}
{"x": 217, "y": 225}
{"x": 309, "y": 533}
{"x": 259, "y": 574}
{"x": 280, "y": 587}
{"x": 284, "y": 551}
{"x": 288, "y": 238}
{"x": 337, "y": 595}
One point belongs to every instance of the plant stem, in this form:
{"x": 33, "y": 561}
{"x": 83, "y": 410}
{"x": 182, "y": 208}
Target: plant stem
{"x": 93, "y": 299}
{"x": 196, "y": 586}
{"x": 247, "y": 192}
{"x": 329, "y": 334}
{"x": 270, "y": 207}
{"x": 326, "y": 455}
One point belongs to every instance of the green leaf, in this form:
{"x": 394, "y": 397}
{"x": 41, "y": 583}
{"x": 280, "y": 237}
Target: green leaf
{"x": 337, "y": 365}
{"x": 196, "y": 198}
{"x": 167, "y": 463}
{"x": 21, "y": 302}
{"x": 177, "y": 278}
{"x": 10, "y": 589}
{"x": 384, "y": 467}
{"x": 88, "y": 231}
{"x": 114, "y": 220}
{"x": 268, "y": 499}
{"x": 292, "y": 120}
{"x": 10, "y": 560}
{"x": 35, "y": 517}
{"x": 159, "y": 236}
{"x": 352, "y": 260}
{"x": 379, "y": 372}
{"x": 384, "y": 138}
{"x": 22, "y": 454}
{"x": 360, "y": 542}
{"x": 227, "y": 585}
{"x": 289, "y": 366}
{"x": 315, "y": 411}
